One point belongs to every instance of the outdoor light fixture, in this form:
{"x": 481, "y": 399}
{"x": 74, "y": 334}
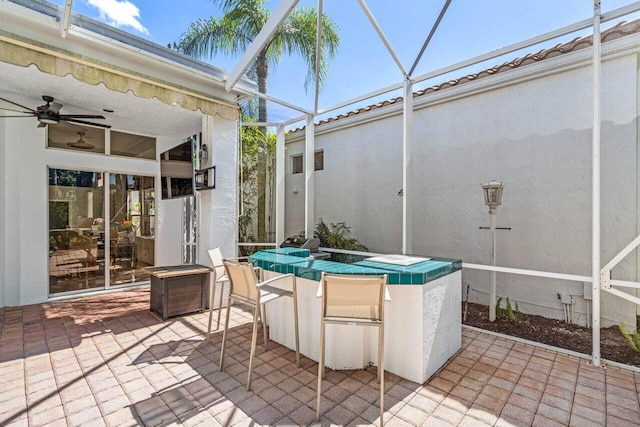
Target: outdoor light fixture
{"x": 492, "y": 198}
{"x": 492, "y": 195}
{"x": 205, "y": 178}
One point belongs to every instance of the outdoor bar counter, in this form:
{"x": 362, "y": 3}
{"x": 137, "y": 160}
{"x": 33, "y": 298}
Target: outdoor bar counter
{"x": 422, "y": 317}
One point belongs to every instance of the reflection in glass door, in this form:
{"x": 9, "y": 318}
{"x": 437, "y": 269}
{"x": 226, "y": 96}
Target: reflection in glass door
{"x": 132, "y": 227}
{"x": 76, "y": 231}
{"x": 189, "y": 231}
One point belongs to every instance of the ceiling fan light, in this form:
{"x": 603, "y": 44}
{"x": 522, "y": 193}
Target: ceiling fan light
{"x": 80, "y": 145}
{"x": 48, "y": 121}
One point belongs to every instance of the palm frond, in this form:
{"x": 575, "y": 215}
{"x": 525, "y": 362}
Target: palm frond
{"x": 205, "y": 38}
{"x": 242, "y": 21}
{"x": 298, "y": 37}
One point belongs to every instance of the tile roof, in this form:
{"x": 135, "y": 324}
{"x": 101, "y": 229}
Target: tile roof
{"x": 620, "y": 30}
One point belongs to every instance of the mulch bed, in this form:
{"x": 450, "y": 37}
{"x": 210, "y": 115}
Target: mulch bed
{"x": 556, "y": 333}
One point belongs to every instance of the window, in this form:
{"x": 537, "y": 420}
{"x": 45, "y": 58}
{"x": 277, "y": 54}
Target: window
{"x": 297, "y": 161}
{"x": 129, "y": 145}
{"x": 92, "y": 140}
{"x": 89, "y": 139}
{"x": 318, "y": 160}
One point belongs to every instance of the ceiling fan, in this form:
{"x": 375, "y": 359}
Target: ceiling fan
{"x": 49, "y": 114}
{"x": 81, "y": 143}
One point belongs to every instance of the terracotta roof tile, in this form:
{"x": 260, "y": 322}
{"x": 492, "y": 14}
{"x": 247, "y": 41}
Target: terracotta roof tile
{"x": 622, "y": 29}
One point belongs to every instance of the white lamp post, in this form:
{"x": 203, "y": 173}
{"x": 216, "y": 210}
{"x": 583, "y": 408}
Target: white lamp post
{"x": 492, "y": 198}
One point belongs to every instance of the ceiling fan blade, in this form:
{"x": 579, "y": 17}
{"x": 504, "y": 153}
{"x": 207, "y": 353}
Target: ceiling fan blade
{"x": 73, "y": 126}
{"x": 15, "y": 116}
{"x": 18, "y": 105}
{"x": 31, "y": 114}
{"x": 82, "y": 122}
{"x": 54, "y": 107}
{"x": 42, "y": 125}
{"x": 80, "y": 116}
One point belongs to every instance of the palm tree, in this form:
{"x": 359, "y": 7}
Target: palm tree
{"x": 235, "y": 31}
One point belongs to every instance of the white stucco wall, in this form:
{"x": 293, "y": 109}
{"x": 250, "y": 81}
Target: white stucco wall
{"x": 530, "y": 128}
{"x": 218, "y": 213}
{"x": 535, "y": 137}
{"x": 294, "y": 192}
{"x": 363, "y": 173}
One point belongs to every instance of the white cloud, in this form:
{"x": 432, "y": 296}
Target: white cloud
{"x": 119, "y": 13}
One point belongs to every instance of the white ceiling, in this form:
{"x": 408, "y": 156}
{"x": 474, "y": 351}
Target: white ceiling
{"x": 131, "y": 114}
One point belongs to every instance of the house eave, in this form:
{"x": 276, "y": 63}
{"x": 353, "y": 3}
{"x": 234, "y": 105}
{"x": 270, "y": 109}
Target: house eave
{"x": 39, "y": 21}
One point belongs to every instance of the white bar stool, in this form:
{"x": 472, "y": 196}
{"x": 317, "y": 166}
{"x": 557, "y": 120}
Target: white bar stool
{"x": 246, "y": 289}
{"x": 352, "y": 300}
{"x": 219, "y": 276}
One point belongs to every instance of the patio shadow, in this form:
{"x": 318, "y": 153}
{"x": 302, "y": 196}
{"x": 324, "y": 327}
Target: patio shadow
{"x": 107, "y": 359}
{"x": 281, "y": 393}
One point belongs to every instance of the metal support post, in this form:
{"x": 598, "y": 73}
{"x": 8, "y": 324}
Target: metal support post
{"x": 492, "y": 290}
{"x": 407, "y": 159}
{"x": 309, "y": 186}
{"x": 280, "y": 183}
{"x": 595, "y": 250}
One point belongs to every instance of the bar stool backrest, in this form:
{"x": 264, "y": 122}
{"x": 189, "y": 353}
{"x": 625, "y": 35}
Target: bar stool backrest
{"x": 356, "y": 297}
{"x": 215, "y": 256}
{"x": 242, "y": 279}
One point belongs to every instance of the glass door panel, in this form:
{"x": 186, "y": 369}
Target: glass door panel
{"x": 76, "y": 231}
{"x": 131, "y": 225}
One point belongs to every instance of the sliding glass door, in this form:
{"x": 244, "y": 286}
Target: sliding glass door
{"x": 99, "y": 239}
{"x": 76, "y": 232}
{"x": 132, "y": 226}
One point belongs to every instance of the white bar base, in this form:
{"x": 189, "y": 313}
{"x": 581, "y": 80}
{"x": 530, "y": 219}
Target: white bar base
{"x": 423, "y": 328}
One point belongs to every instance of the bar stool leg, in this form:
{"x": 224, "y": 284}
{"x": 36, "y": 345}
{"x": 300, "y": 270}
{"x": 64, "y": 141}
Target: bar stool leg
{"x": 254, "y": 338}
{"x": 320, "y": 370}
{"x": 263, "y": 319}
{"x": 381, "y": 370}
{"x": 295, "y": 321}
{"x": 212, "y": 293}
{"x": 224, "y": 335}
{"x": 220, "y": 304}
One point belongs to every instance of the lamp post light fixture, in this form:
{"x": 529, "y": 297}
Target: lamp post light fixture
{"x": 492, "y": 198}
{"x": 493, "y": 195}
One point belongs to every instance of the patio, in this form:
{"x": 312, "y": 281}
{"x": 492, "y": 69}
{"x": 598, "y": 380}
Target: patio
{"x": 106, "y": 360}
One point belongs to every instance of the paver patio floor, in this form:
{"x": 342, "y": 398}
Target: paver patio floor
{"x": 106, "y": 360}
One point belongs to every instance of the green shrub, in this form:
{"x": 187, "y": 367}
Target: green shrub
{"x": 336, "y": 236}
{"x": 509, "y": 312}
{"x": 500, "y": 312}
{"x": 518, "y": 313}
{"x": 633, "y": 339}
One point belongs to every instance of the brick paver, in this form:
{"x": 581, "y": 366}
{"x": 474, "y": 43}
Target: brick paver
{"x": 106, "y": 360}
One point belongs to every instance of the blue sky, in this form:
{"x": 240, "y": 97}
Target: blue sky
{"x": 469, "y": 28}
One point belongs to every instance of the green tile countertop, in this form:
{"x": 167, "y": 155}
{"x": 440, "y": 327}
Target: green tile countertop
{"x": 290, "y": 251}
{"x": 272, "y": 261}
{"x": 283, "y": 261}
{"x": 416, "y": 274}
